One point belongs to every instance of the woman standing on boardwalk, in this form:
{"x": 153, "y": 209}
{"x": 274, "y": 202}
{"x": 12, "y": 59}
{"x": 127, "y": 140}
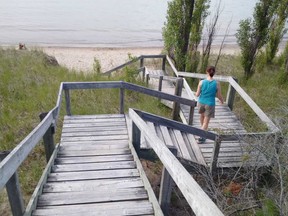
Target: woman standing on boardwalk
{"x": 207, "y": 90}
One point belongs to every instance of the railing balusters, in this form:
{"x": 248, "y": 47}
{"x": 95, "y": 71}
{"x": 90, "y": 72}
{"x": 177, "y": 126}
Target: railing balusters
{"x": 231, "y": 95}
{"x": 121, "y": 101}
{"x": 68, "y": 102}
{"x": 166, "y": 187}
{"x": 14, "y": 191}
{"x": 215, "y": 154}
{"x": 178, "y": 92}
{"x": 48, "y": 139}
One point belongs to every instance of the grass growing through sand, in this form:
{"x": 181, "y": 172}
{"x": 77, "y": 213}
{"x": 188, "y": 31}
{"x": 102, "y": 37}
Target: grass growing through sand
{"x": 29, "y": 86}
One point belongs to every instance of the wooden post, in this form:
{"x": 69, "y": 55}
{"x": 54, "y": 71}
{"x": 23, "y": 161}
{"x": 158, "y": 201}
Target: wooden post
{"x": 48, "y": 139}
{"x": 166, "y": 187}
{"x": 141, "y": 62}
{"x": 121, "y": 101}
{"x": 14, "y": 191}
{"x": 136, "y": 137}
{"x": 160, "y": 83}
{"x": 143, "y": 74}
{"x": 67, "y": 99}
{"x": 231, "y": 95}
{"x": 191, "y": 115}
{"x": 147, "y": 79}
{"x": 178, "y": 92}
{"x": 215, "y": 154}
{"x": 164, "y": 63}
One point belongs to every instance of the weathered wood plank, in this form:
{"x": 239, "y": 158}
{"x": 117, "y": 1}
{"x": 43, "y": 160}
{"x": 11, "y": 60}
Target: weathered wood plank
{"x": 101, "y": 174}
{"x": 98, "y": 208}
{"x": 98, "y": 116}
{"x": 96, "y": 138}
{"x": 94, "y": 166}
{"x": 93, "y": 129}
{"x": 182, "y": 144}
{"x": 97, "y": 120}
{"x": 193, "y": 193}
{"x": 72, "y": 153}
{"x": 92, "y": 197}
{"x": 196, "y": 149}
{"x": 93, "y": 144}
{"x": 99, "y": 124}
{"x": 95, "y": 133}
{"x": 166, "y": 135}
{"x": 92, "y": 185}
{"x": 93, "y": 159}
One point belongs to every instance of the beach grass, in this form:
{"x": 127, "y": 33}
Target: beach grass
{"x": 30, "y": 84}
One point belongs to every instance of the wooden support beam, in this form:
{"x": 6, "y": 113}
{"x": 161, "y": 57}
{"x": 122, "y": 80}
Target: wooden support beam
{"x": 48, "y": 139}
{"x": 68, "y": 102}
{"x": 166, "y": 187}
{"x": 231, "y": 95}
{"x": 215, "y": 154}
{"x": 141, "y": 62}
{"x": 178, "y": 92}
{"x": 14, "y": 191}
{"x": 121, "y": 106}
{"x": 136, "y": 138}
{"x": 160, "y": 83}
{"x": 147, "y": 79}
{"x": 164, "y": 63}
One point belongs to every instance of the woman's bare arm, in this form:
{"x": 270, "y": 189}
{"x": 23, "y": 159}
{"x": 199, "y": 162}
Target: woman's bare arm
{"x": 199, "y": 89}
{"x": 219, "y": 94}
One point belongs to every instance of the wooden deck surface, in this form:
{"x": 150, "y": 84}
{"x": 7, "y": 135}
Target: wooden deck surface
{"x": 232, "y": 153}
{"x": 94, "y": 172}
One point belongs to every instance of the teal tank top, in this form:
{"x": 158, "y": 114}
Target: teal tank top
{"x": 208, "y": 92}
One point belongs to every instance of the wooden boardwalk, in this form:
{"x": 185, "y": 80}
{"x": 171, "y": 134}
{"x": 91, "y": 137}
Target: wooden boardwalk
{"x": 94, "y": 172}
{"x": 236, "y": 153}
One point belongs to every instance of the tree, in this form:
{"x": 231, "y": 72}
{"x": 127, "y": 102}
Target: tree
{"x": 198, "y": 20}
{"x": 253, "y": 34}
{"x": 277, "y": 28}
{"x": 176, "y": 31}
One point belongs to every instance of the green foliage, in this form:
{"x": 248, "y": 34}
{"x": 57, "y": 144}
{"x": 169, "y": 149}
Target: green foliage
{"x": 269, "y": 208}
{"x": 176, "y": 30}
{"x": 198, "y": 20}
{"x": 29, "y": 86}
{"x": 96, "y": 66}
{"x": 283, "y": 75}
{"x": 252, "y": 35}
{"x": 277, "y": 28}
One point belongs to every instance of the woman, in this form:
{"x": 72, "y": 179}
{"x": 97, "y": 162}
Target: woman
{"x": 207, "y": 90}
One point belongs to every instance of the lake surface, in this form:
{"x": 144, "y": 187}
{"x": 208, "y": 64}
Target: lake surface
{"x": 100, "y": 23}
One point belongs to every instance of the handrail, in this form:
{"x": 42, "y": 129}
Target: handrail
{"x": 13, "y": 160}
{"x": 264, "y": 118}
{"x": 133, "y": 61}
{"x": 198, "y": 200}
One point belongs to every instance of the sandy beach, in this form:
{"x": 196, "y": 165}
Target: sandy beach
{"x": 82, "y": 58}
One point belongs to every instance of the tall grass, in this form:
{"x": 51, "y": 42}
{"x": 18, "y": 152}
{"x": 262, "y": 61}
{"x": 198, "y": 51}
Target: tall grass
{"x": 29, "y": 86}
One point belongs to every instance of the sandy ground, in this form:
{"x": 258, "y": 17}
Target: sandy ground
{"x": 82, "y": 59}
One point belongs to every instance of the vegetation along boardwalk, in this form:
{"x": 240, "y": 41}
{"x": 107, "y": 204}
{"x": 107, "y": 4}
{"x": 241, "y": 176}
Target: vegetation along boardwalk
{"x": 95, "y": 169}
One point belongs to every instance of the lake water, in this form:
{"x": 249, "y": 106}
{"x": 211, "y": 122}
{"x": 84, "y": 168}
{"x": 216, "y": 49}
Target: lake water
{"x": 100, "y": 23}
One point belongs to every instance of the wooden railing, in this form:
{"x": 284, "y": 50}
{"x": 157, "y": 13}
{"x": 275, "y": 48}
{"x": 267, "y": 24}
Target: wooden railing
{"x": 46, "y": 129}
{"x": 233, "y": 88}
{"x": 198, "y": 200}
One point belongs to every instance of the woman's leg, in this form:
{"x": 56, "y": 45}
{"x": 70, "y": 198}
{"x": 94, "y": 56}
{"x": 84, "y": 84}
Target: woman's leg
{"x": 205, "y": 123}
{"x": 202, "y": 116}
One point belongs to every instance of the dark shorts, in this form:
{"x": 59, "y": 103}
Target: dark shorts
{"x": 209, "y": 111}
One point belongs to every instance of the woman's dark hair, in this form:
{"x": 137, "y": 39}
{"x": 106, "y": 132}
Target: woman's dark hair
{"x": 211, "y": 71}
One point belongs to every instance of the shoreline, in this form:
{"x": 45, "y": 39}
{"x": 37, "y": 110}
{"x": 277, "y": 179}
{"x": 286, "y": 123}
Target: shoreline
{"x": 82, "y": 58}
